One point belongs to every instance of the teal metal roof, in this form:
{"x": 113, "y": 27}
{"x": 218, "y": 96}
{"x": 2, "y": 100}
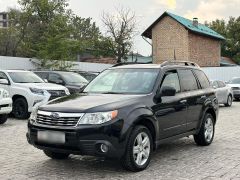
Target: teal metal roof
{"x": 200, "y": 29}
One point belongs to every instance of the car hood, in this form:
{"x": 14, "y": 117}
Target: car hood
{"x": 234, "y": 85}
{"x": 91, "y": 102}
{"x": 45, "y": 86}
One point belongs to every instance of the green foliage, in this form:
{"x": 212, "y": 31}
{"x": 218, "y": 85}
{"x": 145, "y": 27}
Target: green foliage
{"x": 47, "y": 30}
{"x": 231, "y": 31}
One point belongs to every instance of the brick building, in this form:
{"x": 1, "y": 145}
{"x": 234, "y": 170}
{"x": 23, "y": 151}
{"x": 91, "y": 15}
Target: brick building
{"x": 177, "y": 38}
{"x": 3, "y": 19}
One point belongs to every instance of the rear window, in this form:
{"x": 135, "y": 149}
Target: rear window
{"x": 187, "y": 80}
{"x": 202, "y": 79}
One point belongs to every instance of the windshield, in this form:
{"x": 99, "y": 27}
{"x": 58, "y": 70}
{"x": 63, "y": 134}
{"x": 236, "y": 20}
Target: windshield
{"x": 124, "y": 81}
{"x": 235, "y": 81}
{"x": 73, "y": 78}
{"x": 25, "y": 77}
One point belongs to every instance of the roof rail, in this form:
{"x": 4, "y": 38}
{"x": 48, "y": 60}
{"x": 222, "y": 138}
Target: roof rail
{"x": 128, "y": 63}
{"x": 184, "y": 63}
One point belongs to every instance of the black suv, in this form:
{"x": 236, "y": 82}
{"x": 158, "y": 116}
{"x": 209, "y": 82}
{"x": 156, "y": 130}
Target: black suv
{"x": 71, "y": 80}
{"x": 126, "y": 112}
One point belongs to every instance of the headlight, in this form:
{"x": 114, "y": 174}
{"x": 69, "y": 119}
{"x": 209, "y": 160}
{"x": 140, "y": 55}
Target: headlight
{"x": 33, "y": 116}
{"x": 67, "y": 91}
{"x": 5, "y": 94}
{"x": 37, "y": 91}
{"x": 98, "y": 118}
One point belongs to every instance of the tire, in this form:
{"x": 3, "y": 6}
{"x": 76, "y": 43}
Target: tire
{"x": 20, "y": 109}
{"x": 137, "y": 136}
{"x": 3, "y": 118}
{"x": 229, "y": 101}
{"x": 55, "y": 155}
{"x": 206, "y": 133}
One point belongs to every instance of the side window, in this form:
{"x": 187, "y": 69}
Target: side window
{"x": 188, "y": 81}
{"x": 202, "y": 79}
{"x": 55, "y": 78}
{"x": 221, "y": 84}
{"x": 171, "y": 79}
{"x": 3, "y": 76}
{"x": 215, "y": 84}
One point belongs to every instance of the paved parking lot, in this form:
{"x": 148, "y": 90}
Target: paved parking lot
{"x": 181, "y": 159}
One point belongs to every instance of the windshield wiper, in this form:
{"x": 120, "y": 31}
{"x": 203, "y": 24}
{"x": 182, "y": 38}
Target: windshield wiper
{"x": 112, "y": 92}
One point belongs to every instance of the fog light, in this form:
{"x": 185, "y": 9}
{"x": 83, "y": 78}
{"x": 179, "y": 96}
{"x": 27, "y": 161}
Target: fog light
{"x": 104, "y": 148}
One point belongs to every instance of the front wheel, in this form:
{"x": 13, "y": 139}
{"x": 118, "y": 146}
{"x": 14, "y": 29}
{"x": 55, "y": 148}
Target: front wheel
{"x": 206, "y": 133}
{"x": 55, "y": 155}
{"x": 20, "y": 108}
{"x": 138, "y": 150}
{"x": 3, "y": 118}
{"x": 229, "y": 101}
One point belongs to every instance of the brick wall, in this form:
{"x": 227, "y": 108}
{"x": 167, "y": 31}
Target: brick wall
{"x": 168, "y": 35}
{"x": 204, "y": 51}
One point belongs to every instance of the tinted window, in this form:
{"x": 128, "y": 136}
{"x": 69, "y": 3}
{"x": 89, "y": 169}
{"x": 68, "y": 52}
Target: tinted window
{"x": 235, "y": 81}
{"x": 54, "y": 78}
{"x": 42, "y": 75}
{"x": 3, "y": 76}
{"x": 171, "y": 79}
{"x": 188, "y": 81}
{"x": 202, "y": 79}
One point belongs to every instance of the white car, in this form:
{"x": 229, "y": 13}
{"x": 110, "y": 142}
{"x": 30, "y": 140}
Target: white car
{"x": 27, "y": 90}
{"x": 235, "y": 85}
{"x": 5, "y": 105}
{"x": 224, "y": 92}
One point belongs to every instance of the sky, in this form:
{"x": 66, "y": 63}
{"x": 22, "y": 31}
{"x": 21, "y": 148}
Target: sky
{"x": 147, "y": 11}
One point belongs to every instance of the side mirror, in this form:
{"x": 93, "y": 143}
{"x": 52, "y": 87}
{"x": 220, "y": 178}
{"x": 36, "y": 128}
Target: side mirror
{"x": 168, "y": 91}
{"x": 60, "y": 81}
{"x": 214, "y": 87}
{"x": 4, "y": 81}
{"x": 45, "y": 80}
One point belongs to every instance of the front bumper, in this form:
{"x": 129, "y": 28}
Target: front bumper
{"x": 236, "y": 93}
{"x": 5, "y": 106}
{"x": 84, "y": 140}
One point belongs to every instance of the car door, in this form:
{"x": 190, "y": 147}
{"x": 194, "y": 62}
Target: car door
{"x": 5, "y": 86}
{"x": 171, "y": 111}
{"x": 217, "y": 90}
{"x": 194, "y": 95}
{"x": 223, "y": 92}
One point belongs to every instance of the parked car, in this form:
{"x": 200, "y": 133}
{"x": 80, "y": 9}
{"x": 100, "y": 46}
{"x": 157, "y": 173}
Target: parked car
{"x": 5, "y": 105}
{"x": 73, "y": 81}
{"x": 224, "y": 92}
{"x": 235, "y": 85}
{"x": 88, "y": 75}
{"x": 27, "y": 89}
{"x": 128, "y": 116}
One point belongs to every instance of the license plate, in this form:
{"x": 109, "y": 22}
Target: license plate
{"x": 51, "y": 137}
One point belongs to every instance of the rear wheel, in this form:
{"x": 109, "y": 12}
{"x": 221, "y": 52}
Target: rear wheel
{"x": 3, "y": 118}
{"x": 55, "y": 155}
{"x": 229, "y": 101}
{"x": 20, "y": 109}
{"x": 138, "y": 150}
{"x": 206, "y": 133}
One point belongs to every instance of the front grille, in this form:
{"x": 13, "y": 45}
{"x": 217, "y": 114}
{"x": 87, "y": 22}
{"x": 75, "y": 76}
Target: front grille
{"x": 58, "y": 119}
{"x": 56, "y": 93}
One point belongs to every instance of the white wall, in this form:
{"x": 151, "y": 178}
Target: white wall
{"x": 31, "y": 64}
{"x": 222, "y": 73}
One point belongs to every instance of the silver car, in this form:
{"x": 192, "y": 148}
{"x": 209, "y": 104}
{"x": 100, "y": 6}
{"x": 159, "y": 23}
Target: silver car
{"x": 224, "y": 93}
{"x": 235, "y": 85}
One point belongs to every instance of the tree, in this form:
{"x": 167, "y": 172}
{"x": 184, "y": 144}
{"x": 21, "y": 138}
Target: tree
{"x": 231, "y": 31}
{"x": 120, "y": 29}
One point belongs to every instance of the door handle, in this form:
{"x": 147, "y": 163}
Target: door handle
{"x": 183, "y": 101}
